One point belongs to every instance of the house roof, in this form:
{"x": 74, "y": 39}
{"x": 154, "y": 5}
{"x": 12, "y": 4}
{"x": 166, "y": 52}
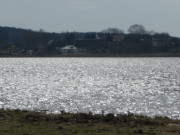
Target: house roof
{"x": 117, "y": 36}
{"x": 50, "y": 42}
{"x": 69, "y": 47}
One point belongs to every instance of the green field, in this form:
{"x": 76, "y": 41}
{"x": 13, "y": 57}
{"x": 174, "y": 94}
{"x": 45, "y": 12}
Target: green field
{"x": 16, "y": 122}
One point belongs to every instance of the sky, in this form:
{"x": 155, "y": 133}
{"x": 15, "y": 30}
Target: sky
{"x": 91, "y": 15}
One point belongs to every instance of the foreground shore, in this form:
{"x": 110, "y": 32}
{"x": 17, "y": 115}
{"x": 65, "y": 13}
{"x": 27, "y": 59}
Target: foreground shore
{"x": 16, "y": 122}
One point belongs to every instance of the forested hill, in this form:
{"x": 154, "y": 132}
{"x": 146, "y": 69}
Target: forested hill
{"x": 22, "y": 42}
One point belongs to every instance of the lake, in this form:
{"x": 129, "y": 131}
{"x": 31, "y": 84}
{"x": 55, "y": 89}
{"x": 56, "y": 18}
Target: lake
{"x": 147, "y": 86}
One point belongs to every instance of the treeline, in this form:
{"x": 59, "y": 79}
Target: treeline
{"x": 109, "y": 41}
{"x": 144, "y": 43}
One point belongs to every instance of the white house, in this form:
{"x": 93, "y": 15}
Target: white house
{"x": 68, "y": 49}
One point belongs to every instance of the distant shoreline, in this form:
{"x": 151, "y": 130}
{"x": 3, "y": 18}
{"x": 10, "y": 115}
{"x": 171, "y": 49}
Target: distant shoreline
{"x": 97, "y": 55}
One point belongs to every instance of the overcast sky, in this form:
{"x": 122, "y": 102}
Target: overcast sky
{"x": 91, "y": 15}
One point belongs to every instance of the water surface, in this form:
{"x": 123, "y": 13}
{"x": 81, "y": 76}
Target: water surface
{"x": 148, "y": 86}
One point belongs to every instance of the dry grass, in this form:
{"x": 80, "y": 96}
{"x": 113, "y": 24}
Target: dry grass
{"x": 15, "y": 122}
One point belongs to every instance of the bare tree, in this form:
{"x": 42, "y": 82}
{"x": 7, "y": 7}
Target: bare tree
{"x": 113, "y": 31}
{"x": 137, "y": 29}
{"x": 41, "y": 30}
{"x": 151, "y": 32}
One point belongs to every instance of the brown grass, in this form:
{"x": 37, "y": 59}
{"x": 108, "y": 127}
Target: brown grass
{"x": 16, "y": 122}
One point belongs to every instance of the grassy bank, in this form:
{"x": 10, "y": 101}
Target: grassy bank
{"x": 15, "y": 122}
